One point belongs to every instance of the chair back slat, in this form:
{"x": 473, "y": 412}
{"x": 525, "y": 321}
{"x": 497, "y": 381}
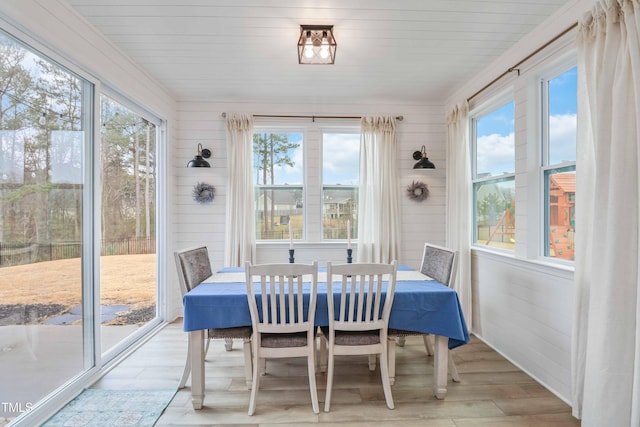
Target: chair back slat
{"x": 281, "y": 295}
{"x": 363, "y": 287}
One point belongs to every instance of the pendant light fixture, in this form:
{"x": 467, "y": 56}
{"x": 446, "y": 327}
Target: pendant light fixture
{"x": 316, "y": 44}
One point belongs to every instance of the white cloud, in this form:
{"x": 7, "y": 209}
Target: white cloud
{"x": 341, "y": 158}
{"x": 562, "y": 138}
{"x": 495, "y": 154}
{"x": 286, "y": 174}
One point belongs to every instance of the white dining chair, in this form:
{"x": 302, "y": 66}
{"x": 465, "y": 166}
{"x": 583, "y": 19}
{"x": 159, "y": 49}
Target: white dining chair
{"x": 439, "y": 263}
{"x": 282, "y": 318}
{"x": 194, "y": 267}
{"x": 358, "y": 316}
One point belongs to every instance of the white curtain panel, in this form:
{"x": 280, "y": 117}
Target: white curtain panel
{"x": 606, "y": 338}
{"x": 458, "y": 231}
{"x": 379, "y": 205}
{"x": 240, "y": 241}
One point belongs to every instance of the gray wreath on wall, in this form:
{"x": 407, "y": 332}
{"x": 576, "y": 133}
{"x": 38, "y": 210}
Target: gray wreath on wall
{"x": 418, "y": 191}
{"x": 203, "y": 192}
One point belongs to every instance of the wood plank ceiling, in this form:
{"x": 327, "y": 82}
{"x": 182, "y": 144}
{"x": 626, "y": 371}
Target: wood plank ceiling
{"x": 388, "y": 50}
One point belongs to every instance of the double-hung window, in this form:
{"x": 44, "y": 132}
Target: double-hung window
{"x": 306, "y": 183}
{"x": 494, "y": 176}
{"x": 558, "y": 171}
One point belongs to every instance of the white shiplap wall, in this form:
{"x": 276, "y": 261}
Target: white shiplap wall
{"x": 201, "y": 122}
{"x": 524, "y": 311}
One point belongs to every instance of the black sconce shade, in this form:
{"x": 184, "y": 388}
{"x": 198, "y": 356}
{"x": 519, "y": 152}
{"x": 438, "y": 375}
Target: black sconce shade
{"x": 423, "y": 160}
{"x": 198, "y": 161}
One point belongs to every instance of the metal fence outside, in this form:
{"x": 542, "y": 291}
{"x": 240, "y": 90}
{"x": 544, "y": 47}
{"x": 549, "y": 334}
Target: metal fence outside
{"x": 21, "y": 253}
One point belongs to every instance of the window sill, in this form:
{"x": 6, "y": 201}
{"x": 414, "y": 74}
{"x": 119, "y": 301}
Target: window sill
{"x": 558, "y": 269}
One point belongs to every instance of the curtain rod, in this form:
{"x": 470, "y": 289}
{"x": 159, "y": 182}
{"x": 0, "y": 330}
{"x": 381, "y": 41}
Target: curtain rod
{"x": 515, "y": 67}
{"x": 313, "y": 118}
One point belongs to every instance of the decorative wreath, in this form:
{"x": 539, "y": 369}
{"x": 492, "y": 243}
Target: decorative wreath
{"x": 418, "y": 191}
{"x": 203, "y": 192}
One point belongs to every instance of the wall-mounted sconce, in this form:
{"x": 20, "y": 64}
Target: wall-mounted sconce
{"x": 423, "y": 160}
{"x": 198, "y": 161}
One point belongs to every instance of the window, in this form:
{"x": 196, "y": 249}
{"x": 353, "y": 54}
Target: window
{"x": 494, "y": 177}
{"x": 559, "y": 104}
{"x": 279, "y": 187}
{"x": 340, "y": 173}
{"x": 306, "y": 182}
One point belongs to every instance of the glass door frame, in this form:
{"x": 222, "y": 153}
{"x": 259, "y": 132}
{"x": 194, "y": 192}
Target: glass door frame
{"x": 104, "y": 357}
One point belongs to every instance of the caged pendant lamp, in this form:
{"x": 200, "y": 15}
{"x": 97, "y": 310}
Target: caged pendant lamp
{"x": 316, "y": 45}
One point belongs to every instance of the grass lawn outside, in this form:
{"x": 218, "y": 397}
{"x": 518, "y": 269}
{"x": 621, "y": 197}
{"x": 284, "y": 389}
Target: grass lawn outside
{"x": 33, "y": 293}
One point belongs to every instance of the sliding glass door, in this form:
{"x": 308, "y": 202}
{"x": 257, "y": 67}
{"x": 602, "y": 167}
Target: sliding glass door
{"x": 45, "y": 313}
{"x": 78, "y": 198}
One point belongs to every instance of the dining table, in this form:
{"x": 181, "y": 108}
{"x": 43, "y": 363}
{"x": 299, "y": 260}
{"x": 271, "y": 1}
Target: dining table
{"x": 420, "y": 304}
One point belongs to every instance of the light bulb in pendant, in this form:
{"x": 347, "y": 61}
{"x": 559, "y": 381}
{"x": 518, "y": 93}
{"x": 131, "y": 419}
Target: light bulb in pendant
{"x": 308, "y": 51}
{"x": 43, "y": 119}
{"x": 308, "y": 46}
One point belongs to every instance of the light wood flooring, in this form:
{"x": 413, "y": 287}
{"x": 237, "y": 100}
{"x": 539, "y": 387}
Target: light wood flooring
{"x": 492, "y": 391}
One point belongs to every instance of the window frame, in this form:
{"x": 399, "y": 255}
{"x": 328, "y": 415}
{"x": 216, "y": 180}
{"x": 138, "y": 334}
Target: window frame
{"x": 487, "y": 107}
{"x": 353, "y": 130}
{"x": 312, "y": 186}
{"x": 547, "y": 74}
{"x": 285, "y": 129}
{"x": 530, "y": 196}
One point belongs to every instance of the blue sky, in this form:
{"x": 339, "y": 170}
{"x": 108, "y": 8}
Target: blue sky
{"x": 340, "y": 159}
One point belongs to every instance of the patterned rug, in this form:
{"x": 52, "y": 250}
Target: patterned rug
{"x": 104, "y": 408}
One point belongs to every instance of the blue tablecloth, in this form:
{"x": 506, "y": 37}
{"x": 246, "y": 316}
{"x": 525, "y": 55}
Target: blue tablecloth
{"x": 424, "y": 306}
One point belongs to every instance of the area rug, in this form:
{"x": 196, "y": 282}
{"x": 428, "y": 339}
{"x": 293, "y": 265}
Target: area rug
{"x": 104, "y": 408}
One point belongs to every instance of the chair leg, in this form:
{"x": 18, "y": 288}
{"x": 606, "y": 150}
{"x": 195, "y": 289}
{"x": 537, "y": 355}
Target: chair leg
{"x": 400, "y": 341}
{"x": 187, "y": 369}
{"x": 311, "y": 367}
{"x": 248, "y": 362}
{"x": 323, "y": 354}
{"x": 453, "y": 369}
{"x": 327, "y": 397}
{"x": 391, "y": 358}
{"x": 255, "y": 384}
{"x": 384, "y": 373}
{"x": 372, "y": 362}
{"x": 427, "y": 344}
{"x": 228, "y": 344}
